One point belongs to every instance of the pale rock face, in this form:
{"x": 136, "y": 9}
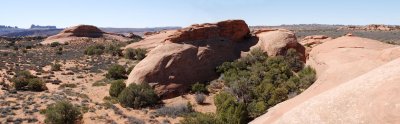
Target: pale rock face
{"x": 151, "y": 41}
{"x": 311, "y": 41}
{"x": 356, "y": 84}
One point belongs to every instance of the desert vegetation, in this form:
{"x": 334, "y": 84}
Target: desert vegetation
{"x": 135, "y": 54}
{"x": 99, "y": 77}
{"x": 62, "y": 112}
{"x": 24, "y": 80}
{"x": 116, "y": 72}
{"x": 138, "y": 96}
{"x": 256, "y": 83}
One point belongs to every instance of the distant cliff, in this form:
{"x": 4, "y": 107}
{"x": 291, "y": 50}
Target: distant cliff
{"x": 42, "y": 27}
{"x": 8, "y": 27}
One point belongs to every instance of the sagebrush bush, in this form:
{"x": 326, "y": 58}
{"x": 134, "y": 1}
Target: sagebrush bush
{"x": 174, "y": 111}
{"x": 199, "y": 88}
{"x": 116, "y": 72}
{"x": 199, "y": 118}
{"x": 200, "y": 98}
{"x": 95, "y": 50}
{"x": 24, "y": 80}
{"x": 62, "y": 112}
{"x": 56, "y": 67}
{"x": 20, "y": 83}
{"x": 36, "y": 84}
{"x": 116, "y": 88}
{"x": 135, "y": 54}
{"x": 114, "y": 50}
{"x": 138, "y": 96}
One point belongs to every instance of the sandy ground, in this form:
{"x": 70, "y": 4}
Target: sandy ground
{"x": 90, "y": 97}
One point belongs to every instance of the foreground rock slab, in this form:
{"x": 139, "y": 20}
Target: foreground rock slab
{"x": 356, "y": 84}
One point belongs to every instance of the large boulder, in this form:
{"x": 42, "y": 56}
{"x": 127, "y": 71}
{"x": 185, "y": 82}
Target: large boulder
{"x": 356, "y": 84}
{"x": 82, "y": 32}
{"x": 188, "y": 55}
{"x": 277, "y": 41}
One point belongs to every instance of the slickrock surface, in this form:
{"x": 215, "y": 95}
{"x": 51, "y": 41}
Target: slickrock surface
{"x": 356, "y": 84}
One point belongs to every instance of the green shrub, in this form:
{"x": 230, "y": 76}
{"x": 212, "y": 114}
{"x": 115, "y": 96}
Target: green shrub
{"x": 307, "y": 78}
{"x": 62, "y": 112}
{"x": 114, "y": 50}
{"x": 199, "y": 118}
{"x": 36, "y": 84}
{"x": 116, "y": 72}
{"x": 135, "y": 39}
{"x": 174, "y": 111}
{"x": 260, "y": 82}
{"x": 135, "y": 54}
{"x": 56, "y": 67}
{"x": 20, "y": 83}
{"x": 256, "y": 109}
{"x": 199, "y": 88}
{"x": 116, "y": 88}
{"x": 294, "y": 60}
{"x": 138, "y": 96}
{"x": 113, "y": 100}
{"x": 24, "y": 80}
{"x": 129, "y": 70}
{"x": 55, "y": 44}
{"x": 95, "y": 50}
{"x": 229, "y": 110}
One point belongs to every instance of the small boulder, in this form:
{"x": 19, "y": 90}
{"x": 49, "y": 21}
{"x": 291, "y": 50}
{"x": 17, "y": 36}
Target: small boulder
{"x": 277, "y": 41}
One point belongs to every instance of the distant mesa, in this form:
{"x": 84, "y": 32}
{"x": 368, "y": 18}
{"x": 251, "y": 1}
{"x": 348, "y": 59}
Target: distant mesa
{"x": 371, "y": 27}
{"x": 83, "y": 32}
{"x": 8, "y": 27}
{"x": 42, "y": 27}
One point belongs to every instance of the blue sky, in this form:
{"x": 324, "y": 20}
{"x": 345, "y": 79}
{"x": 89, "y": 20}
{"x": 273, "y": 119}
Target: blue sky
{"x": 156, "y": 13}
